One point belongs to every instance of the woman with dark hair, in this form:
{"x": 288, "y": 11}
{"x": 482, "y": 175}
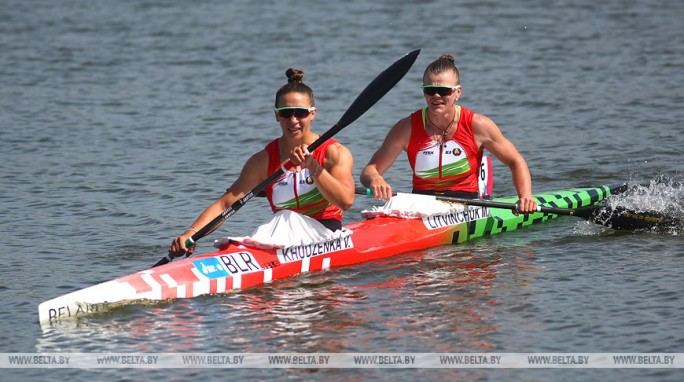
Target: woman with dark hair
{"x": 319, "y": 185}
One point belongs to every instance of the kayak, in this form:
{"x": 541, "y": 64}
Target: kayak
{"x": 238, "y": 266}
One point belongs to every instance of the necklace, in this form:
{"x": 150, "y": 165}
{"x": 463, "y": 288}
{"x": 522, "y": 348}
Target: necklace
{"x": 444, "y": 133}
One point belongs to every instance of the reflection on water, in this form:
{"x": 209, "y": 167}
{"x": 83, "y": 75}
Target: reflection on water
{"x": 475, "y": 295}
{"x": 465, "y": 291}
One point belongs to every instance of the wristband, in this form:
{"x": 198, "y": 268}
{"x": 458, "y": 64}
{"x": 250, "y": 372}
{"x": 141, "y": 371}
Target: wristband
{"x": 191, "y": 229}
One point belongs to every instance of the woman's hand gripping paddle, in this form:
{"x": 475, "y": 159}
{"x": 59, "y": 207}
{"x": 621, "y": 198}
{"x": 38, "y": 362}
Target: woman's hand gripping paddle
{"x": 382, "y": 84}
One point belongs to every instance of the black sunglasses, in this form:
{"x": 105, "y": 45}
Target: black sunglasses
{"x": 298, "y": 111}
{"x": 439, "y": 89}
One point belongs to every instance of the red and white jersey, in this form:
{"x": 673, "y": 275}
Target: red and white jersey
{"x": 296, "y": 190}
{"x": 450, "y": 166}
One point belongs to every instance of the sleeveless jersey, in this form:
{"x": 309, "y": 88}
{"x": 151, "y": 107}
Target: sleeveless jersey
{"x": 296, "y": 190}
{"x": 450, "y": 166}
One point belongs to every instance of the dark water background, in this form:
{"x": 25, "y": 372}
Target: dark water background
{"x": 121, "y": 120}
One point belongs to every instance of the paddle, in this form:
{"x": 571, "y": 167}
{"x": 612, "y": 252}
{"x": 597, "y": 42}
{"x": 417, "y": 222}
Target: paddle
{"x": 618, "y": 217}
{"x": 382, "y": 84}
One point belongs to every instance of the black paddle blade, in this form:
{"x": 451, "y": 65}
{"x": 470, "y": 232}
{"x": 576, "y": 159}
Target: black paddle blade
{"x": 624, "y": 219}
{"x": 377, "y": 89}
{"x": 382, "y": 84}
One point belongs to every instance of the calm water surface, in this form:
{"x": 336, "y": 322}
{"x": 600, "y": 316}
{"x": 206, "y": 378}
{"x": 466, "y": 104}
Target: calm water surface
{"x": 121, "y": 120}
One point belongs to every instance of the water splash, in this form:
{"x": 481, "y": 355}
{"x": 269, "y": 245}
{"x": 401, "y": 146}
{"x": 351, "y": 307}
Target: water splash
{"x": 664, "y": 195}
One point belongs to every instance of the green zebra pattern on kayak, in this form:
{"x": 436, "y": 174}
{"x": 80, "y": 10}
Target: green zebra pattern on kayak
{"x": 505, "y": 220}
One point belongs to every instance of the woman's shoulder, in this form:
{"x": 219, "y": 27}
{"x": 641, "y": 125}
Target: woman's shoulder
{"x": 257, "y": 159}
{"x": 480, "y": 119}
{"x": 335, "y": 147}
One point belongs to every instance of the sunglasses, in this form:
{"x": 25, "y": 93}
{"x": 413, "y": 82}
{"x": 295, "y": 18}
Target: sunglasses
{"x": 439, "y": 89}
{"x": 299, "y": 112}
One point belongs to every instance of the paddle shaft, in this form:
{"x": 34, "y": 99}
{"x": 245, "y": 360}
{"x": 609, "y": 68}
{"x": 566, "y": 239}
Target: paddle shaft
{"x": 508, "y": 206}
{"x": 612, "y": 217}
{"x": 484, "y": 203}
{"x": 377, "y": 89}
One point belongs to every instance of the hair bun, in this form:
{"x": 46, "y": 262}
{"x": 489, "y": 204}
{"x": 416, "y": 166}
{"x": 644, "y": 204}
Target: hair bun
{"x": 294, "y": 75}
{"x": 448, "y": 57}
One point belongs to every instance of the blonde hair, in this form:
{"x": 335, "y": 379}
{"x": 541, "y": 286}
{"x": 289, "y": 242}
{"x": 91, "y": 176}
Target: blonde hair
{"x": 445, "y": 62}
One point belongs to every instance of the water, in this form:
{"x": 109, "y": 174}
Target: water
{"x": 122, "y": 120}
